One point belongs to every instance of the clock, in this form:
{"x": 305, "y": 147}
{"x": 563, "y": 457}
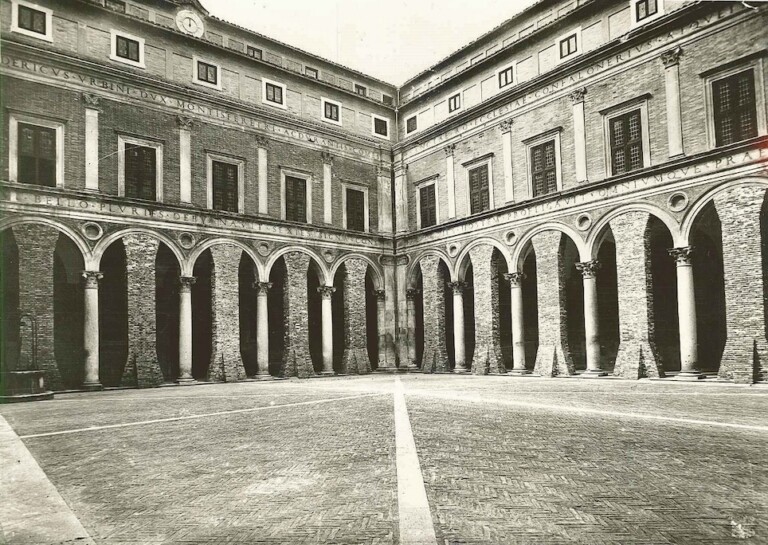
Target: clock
{"x": 190, "y": 22}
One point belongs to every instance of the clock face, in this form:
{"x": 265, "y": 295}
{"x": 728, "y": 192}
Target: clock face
{"x": 190, "y": 23}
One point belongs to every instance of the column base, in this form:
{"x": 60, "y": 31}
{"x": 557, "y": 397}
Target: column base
{"x": 261, "y": 377}
{"x": 460, "y": 370}
{"x": 593, "y": 373}
{"x": 185, "y": 381}
{"x": 326, "y": 373}
{"x": 688, "y": 376}
{"x": 519, "y": 372}
{"x": 92, "y": 386}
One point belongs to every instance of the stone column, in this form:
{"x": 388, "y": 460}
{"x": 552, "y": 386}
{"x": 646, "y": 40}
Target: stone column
{"x": 411, "y": 295}
{"x": 553, "y": 357}
{"x": 459, "y": 352}
{"x": 91, "y": 142}
{"x": 588, "y": 270}
{"x": 449, "y": 180}
{"x": 380, "y": 319}
{"x": 262, "y": 329}
{"x": 226, "y": 362}
{"x": 91, "y": 329}
{"x": 435, "y": 357}
{"x": 671, "y": 60}
{"x": 686, "y": 312}
{"x": 579, "y": 133}
{"x": 297, "y": 361}
{"x": 745, "y": 357}
{"x": 185, "y": 330}
{"x": 488, "y": 357}
{"x": 518, "y": 323}
{"x": 395, "y": 309}
{"x": 327, "y": 187}
{"x": 355, "y": 359}
{"x": 263, "y": 184}
{"x": 636, "y": 357}
{"x": 326, "y": 293}
{"x": 185, "y": 159}
{"x": 506, "y": 147}
{"x": 384, "y": 179}
{"x": 142, "y": 367}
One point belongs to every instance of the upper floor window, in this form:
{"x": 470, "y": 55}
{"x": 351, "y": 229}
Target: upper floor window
{"x": 479, "y": 192}
{"x": 644, "y": 11}
{"x": 295, "y": 197}
{"x": 506, "y": 76}
{"x": 544, "y": 168}
{"x": 311, "y": 72}
{"x": 626, "y": 134}
{"x": 127, "y": 49}
{"x": 388, "y": 100}
{"x": 734, "y": 108}
{"x": 380, "y": 126}
{"x": 454, "y": 103}
{"x": 273, "y": 93}
{"x": 361, "y": 90}
{"x": 355, "y": 209}
{"x": 207, "y": 73}
{"x": 117, "y": 5}
{"x": 410, "y": 124}
{"x": 427, "y": 206}
{"x": 31, "y": 20}
{"x": 140, "y": 172}
{"x": 253, "y": 52}
{"x": 331, "y": 111}
{"x": 225, "y": 185}
{"x": 568, "y": 46}
{"x": 36, "y": 155}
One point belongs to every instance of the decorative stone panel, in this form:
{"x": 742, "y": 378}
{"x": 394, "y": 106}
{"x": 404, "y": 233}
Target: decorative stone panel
{"x": 487, "y": 357}
{"x": 297, "y": 361}
{"x": 226, "y": 361}
{"x": 553, "y": 357}
{"x": 745, "y": 357}
{"x": 355, "y": 359}
{"x": 635, "y": 358}
{"x": 435, "y": 357}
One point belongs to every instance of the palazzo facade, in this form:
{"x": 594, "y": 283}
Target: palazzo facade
{"x": 579, "y": 191}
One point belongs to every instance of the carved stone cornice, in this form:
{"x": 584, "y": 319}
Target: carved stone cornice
{"x": 92, "y": 279}
{"x": 672, "y": 57}
{"x": 449, "y": 149}
{"x": 577, "y": 95}
{"x": 262, "y": 288}
{"x": 261, "y": 141}
{"x": 682, "y": 256}
{"x": 327, "y": 158}
{"x": 185, "y": 122}
{"x": 515, "y": 279}
{"x": 457, "y": 287}
{"x": 588, "y": 269}
{"x": 506, "y": 125}
{"x": 380, "y": 295}
{"x": 91, "y": 100}
{"x": 326, "y": 291}
{"x": 186, "y": 283}
{"x": 412, "y": 293}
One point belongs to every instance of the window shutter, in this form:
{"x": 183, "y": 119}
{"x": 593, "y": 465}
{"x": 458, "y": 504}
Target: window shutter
{"x": 355, "y": 210}
{"x": 225, "y": 186}
{"x": 478, "y": 189}
{"x": 37, "y": 155}
{"x": 295, "y": 199}
{"x": 428, "y": 206}
{"x": 140, "y": 172}
{"x": 544, "y": 168}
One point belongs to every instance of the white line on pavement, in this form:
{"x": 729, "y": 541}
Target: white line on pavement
{"x": 415, "y": 518}
{"x": 194, "y": 416}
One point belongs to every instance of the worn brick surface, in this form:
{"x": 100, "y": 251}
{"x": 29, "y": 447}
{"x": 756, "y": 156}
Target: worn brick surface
{"x": 296, "y": 360}
{"x": 553, "y": 357}
{"x": 635, "y": 358}
{"x": 487, "y": 356}
{"x": 435, "y": 355}
{"x": 355, "y": 359}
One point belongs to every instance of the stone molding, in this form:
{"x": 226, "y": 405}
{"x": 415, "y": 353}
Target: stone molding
{"x": 589, "y": 269}
{"x": 672, "y": 57}
{"x": 682, "y": 256}
{"x": 92, "y": 279}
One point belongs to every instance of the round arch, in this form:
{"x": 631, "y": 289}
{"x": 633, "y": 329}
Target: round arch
{"x": 106, "y": 242}
{"x": 520, "y": 248}
{"x": 198, "y": 250}
{"x": 89, "y": 261}
{"x": 411, "y": 271}
{"x": 462, "y": 261}
{"x": 600, "y": 229}
{"x": 378, "y": 280}
{"x": 706, "y": 198}
{"x": 328, "y": 279}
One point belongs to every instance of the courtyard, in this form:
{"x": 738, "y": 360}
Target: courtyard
{"x": 502, "y": 461}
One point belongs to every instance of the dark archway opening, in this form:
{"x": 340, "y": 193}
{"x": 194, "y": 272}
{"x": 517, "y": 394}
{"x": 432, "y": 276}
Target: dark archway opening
{"x": 247, "y": 311}
{"x": 503, "y": 306}
{"x": 9, "y": 320}
{"x": 469, "y": 314}
{"x": 113, "y": 315}
{"x": 608, "y": 303}
{"x": 276, "y": 312}
{"x": 68, "y": 313}
{"x": 339, "y": 319}
{"x": 202, "y": 316}
{"x": 663, "y": 324}
{"x": 371, "y": 320}
{"x": 419, "y": 318}
{"x": 167, "y": 285}
{"x": 572, "y": 280}
{"x": 315, "y": 316}
{"x": 530, "y": 309}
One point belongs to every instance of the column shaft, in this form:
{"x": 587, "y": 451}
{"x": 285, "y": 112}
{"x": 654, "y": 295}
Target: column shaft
{"x": 185, "y": 329}
{"x": 380, "y": 320}
{"x": 506, "y": 145}
{"x": 518, "y": 324}
{"x": 262, "y": 331}
{"x": 591, "y": 323}
{"x": 458, "y": 331}
{"x": 579, "y": 134}
{"x": 263, "y": 184}
{"x": 92, "y": 149}
{"x": 327, "y": 337}
{"x": 450, "y": 181}
{"x": 91, "y": 330}
{"x": 671, "y": 61}
{"x": 412, "y": 327}
{"x": 686, "y": 312}
{"x": 185, "y": 159}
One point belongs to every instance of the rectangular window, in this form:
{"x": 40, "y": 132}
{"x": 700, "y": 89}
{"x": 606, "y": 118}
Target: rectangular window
{"x": 311, "y": 72}
{"x": 428, "y": 206}
{"x": 645, "y": 9}
{"x": 331, "y": 111}
{"x": 360, "y": 90}
{"x": 274, "y": 93}
{"x": 454, "y": 103}
{"x": 253, "y": 52}
{"x": 225, "y": 185}
{"x": 36, "y": 155}
{"x": 568, "y": 46}
{"x": 626, "y": 135}
{"x": 33, "y": 20}
{"x": 479, "y": 199}
{"x": 380, "y": 126}
{"x": 544, "y": 168}
{"x": 355, "y": 210}
{"x": 140, "y": 172}
{"x": 735, "y": 108}
{"x": 506, "y": 77}
{"x": 386, "y": 99}
{"x": 125, "y": 48}
{"x": 117, "y": 5}
{"x": 207, "y": 73}
{"x": 295, "y": 199}
{"x": 410, "y": 124}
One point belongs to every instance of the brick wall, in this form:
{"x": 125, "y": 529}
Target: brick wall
{"x": 435, "y": 355}
{"x": 355, "y": 359}
{"x": 296, "y": 360}
{"x": 488, "y": 356}
{"x": 226, "y": 361}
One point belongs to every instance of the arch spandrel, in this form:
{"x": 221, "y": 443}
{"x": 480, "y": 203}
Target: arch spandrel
{"x": 313, "y": 256}
{"x": 79, "y": 241}
{"x": 208, "y": 243}
{"x": 415, "y": 259}
{"x": 463, "y": 259}
{"x": 107, "y": 240}
{"x": 598, "y": 232}
{"x": 377, "y": 276}
{"x": 519, "y": 252}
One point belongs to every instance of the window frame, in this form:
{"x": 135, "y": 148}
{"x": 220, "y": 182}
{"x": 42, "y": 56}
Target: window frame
{"x": 14, "y": 118}
{"x": 264, "y": 83}
{"x": 358, "y": 87}
{"x": 578, "y": 51}
{"x": 197, "y": 81}
{"x": 366, "y": 210}
{"x": 210, "y": 157}
{"x": 308, "y": 69}
{"x": 323, "y": 102}
{"x": 731, "y": 69}
{"x": 635, "y": 22}
{"x": 259, "y": 52}
{"x": 638, "y": 103}
{"x": 122, "y": 140}
{"x": 374, "y": 117}
{"x": 419, "y": 186}
{"x": 458, "y": 107}
{"x": 48, "y": 36}
{"x": 308, "y": 180}
{"x": 530, "y": 143}
{"x": 509, "y": 67}
{"x": 114, "y": 34}
{"x": 479, "y": 162}
{"x": 416, "y": 122}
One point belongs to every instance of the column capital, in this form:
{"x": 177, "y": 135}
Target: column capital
{"x": 380, "y": 294}
{"x": 506, "y": 125}
{"x": 186, "y": 283}
{"x": 449, "y": 149}
{"x": 672, "y": 57}
{"x": 381, "y": 172}
{"x": 91, "y": 101}
{"x": 588, "y": 269}
{"x": 327, "y": 157}
{"x": 411, "y": 293}
{"x": 682, "y": 256}
{"x": 515, "y": 279}
{"x": 92, "y": 279}
{"x": 457, "y": 287}
{"x": 261, "y": 141}
{"x": 185, "y": 122}
{"x": 326, "y": 291}
{"x": 262, "y": 288}
{"x": 577, "y": 96}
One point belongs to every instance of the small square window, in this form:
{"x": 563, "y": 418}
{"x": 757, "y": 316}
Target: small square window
{"x": 360, "y": 90}
{"x": 331, "y": 110}
{"x": 454, "y": 103}
{"x": 645, "y": 9}
{"x": 274, "y": 93}
{"x": 410, "y": 124}
{"x": 116, "y": 5}
{"x": 568, "y": 46}
{"x": 207, "y": 73}
{"x": 128, "y": 49}
{"x": 386, "y": 99}
{"x": 253, "y": 52}
{"x": 311, "y": 72}
{"x": 380, "y": 126}
{"x": 506, "y": 77}
{"x": 32, "y": 20}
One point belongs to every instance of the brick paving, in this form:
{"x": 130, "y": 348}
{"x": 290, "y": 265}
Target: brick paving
{"x": 494, "y": 472}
